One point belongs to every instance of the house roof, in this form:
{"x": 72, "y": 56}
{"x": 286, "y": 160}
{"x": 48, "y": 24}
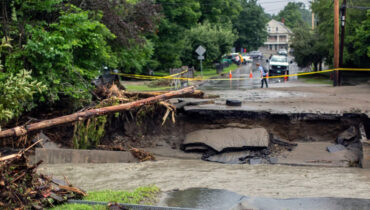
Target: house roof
{"x": 275, "y": 22}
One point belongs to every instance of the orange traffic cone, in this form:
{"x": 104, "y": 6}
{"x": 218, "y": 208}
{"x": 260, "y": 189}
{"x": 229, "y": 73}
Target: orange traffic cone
{"x": 250, "y": 75}
{"x": 230, "y": 75}
{"x": 267, "y": 75}
{"x": 285, "y": 77}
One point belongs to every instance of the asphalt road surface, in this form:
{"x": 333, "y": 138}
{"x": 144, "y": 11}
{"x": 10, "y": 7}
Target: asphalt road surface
{"x": 245, "y": 82}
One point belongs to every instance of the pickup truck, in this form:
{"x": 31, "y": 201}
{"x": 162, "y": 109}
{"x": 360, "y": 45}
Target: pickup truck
{"x": 278, "y": 65}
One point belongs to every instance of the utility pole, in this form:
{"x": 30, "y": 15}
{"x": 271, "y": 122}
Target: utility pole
{"x": 336, "y": 42}
{"x": 342, "y": 33}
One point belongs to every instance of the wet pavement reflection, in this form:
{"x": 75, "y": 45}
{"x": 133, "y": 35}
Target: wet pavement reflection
{"x": 204, "y": 198}
{"x": 245, "y": 82}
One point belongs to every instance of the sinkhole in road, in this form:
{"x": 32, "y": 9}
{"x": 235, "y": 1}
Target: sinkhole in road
{"x": 238, "y": 137}
{"x": 254, "y": 137}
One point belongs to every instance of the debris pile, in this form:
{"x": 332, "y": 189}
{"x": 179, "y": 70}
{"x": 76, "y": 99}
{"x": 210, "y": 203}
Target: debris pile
{"x": 22, "y": 188}
{"x": 142, "y": 155}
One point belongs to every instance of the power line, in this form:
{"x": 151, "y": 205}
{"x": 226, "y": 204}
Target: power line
{"x": 358, "y": 7}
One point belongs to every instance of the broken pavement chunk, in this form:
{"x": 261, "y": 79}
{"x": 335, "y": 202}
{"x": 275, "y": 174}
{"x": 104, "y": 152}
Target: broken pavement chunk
{"x": 228, "y": 138}
{"x": 347, "y": 136}
{"x": 273, "y": 160}
{"x": 230, "y": 157}
{"x": 335, "y": 148}
{"x": 255, "y": 161}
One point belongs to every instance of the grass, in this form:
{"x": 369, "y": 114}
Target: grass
{"x": 208, "y": 73}
{"x": 161, "y": 74}
{"x": 141, "y": 195}
{"x": 145, "y": 87}
{"x": 317, "y": 79}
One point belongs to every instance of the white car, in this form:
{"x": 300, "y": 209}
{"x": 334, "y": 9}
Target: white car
{"x": 283, "y": 52}
{"x": 278, "y": 65}
{"x": 247, "y": 59}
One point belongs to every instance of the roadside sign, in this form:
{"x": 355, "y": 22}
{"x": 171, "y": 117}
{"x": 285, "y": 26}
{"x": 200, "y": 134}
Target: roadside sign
{"x": 200, "y": 50}
{"x": 233, "y": 50}
{"x": 201, "y": 57}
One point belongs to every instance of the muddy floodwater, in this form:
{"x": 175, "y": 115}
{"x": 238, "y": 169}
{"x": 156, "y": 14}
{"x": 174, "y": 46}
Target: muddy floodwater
{"x": 276, "y": 181}
{"x": 215, "y": 199}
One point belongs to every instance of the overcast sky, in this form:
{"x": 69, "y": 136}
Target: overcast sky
{"x": 274, "y": 6}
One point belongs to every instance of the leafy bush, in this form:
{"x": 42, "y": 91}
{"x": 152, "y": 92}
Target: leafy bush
{"x": 17, "y": 93}
{"x": 67, "y": 54}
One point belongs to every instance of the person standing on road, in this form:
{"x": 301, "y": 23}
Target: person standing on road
{"x": 263, "y": 75}
{"x": 237, "y": 60}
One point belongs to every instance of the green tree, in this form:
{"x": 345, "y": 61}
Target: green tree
{"x": 217, "y": 39}
{"x": 169, "y": 41}
{"x": 295, "y": 15}
{"x": 220, "y": 11}
{"x": 362, "y": 35}
{"x": 17, "y": 91}
{"x": 65, "y": 55}
{"x": 356, "y": 40}
{"x": 66, "y": 46}
{"x": 134, "y": 58}
{"x": 309, "y": 47}
{"x": 251, "y": 26}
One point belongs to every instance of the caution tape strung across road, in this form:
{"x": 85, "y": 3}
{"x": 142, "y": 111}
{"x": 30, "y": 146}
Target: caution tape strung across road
{"x": 173, "y": 76}
{"x": 139, "y": 76}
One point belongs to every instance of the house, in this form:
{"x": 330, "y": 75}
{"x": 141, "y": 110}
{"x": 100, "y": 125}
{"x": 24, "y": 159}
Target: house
{"x": 278, "y": 37}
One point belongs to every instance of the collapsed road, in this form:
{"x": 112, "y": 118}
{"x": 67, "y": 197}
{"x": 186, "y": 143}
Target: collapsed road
{"x": 306, "y": 138}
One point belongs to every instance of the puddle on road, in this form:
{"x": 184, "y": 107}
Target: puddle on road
{"x": 204, "y": 198}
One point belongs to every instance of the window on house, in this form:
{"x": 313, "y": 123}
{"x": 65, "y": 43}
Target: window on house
{"x": 277, "y": 29}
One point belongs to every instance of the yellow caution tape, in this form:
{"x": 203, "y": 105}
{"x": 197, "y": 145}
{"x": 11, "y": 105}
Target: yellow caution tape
{"x": 173, "y": 75}
{"x": 138, "y": 76}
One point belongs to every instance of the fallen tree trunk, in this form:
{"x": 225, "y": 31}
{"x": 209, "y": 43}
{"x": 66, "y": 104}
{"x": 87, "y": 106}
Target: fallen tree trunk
{"x": 22, "y": 130}
{"x": 195, "y": 94}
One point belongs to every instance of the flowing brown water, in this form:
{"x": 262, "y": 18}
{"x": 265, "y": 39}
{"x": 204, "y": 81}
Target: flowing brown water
{"x": 278, "y": 181}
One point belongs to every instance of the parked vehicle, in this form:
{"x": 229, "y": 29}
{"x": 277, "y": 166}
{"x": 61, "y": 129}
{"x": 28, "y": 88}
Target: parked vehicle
{"x": 247, "y": 59}
{"x": 283, "y": 52}
{"x": 278, "y": 65}
{"x": 233, "y": 58}
{"x": 256, "y": 54}
{"x": 227, "y": 59}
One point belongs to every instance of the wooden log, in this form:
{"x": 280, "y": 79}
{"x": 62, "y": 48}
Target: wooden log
{"x": 195, "y": 94}
{"x": 22, "y": 130}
